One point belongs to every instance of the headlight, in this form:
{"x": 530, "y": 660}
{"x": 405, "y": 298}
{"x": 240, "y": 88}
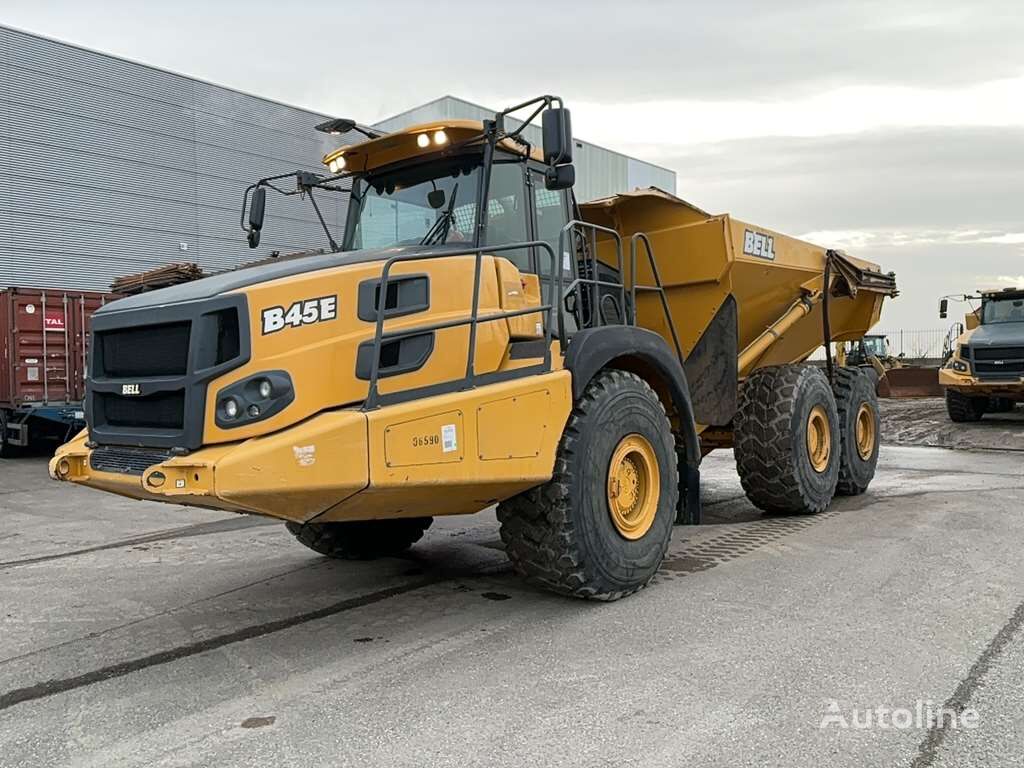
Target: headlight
{"x": 265, "y": 389}
{"x": 422, "y": 141}
{"x": 230, "y": 408}
{"x": 960, "y": 366}
{"x": 337, "y": 165}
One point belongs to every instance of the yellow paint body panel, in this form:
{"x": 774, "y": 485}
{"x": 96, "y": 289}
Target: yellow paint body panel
{"x": 397, "y": 461}
{"x": 321, "y": 358}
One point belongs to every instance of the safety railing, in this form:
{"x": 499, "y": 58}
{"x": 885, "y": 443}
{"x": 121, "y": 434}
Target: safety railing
{"x": 593, "y": 284}
{"x": 374, "y": 398}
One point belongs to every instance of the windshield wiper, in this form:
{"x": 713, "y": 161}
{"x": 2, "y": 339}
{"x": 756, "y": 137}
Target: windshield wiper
{"x": 444, "y": 222}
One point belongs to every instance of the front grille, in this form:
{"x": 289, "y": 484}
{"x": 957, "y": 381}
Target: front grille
{"x": 999, "y": 353}
{"x": 163, "y": 410}
{"x": 149, "y": 350}
{"x": 151, "y": 367}
{"x": 126, "y": 461}
{"x": 1008, "y": 369}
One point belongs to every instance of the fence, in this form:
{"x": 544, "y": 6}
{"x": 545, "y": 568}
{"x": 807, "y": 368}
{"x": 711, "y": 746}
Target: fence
{"x": 913, "y": 345}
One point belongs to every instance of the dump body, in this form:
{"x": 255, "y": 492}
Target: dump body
{"x": 704, "y": 259}
{"x": 729, "y": 284}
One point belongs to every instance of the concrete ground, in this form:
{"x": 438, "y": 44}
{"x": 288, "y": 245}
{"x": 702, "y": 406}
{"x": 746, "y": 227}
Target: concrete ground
{"x": 141, "y": 634}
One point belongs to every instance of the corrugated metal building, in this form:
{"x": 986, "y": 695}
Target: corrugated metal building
{"x": 109, "y": 167}
{"x": 599, "y": 171}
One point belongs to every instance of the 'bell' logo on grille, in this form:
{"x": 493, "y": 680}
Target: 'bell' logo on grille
{"x": 129, "y": 389}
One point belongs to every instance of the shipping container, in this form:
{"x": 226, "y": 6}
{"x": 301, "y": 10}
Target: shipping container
{"x": 44, "y": 348}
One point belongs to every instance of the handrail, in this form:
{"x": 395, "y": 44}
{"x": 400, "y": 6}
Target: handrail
{"x": 593, "y": 282}
{"x": 642, "y": 237}
{"x": 373, "y": 395}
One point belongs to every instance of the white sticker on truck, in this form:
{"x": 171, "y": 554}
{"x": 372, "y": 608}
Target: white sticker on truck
{"x": 448, "y": 440}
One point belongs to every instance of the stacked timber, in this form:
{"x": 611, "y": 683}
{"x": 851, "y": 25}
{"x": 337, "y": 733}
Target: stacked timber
{"x": 161, "y": 277}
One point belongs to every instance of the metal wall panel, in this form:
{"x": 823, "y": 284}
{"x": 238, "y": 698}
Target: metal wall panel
{"x": 109, "y": 167}
{"x": 600, "y": 172}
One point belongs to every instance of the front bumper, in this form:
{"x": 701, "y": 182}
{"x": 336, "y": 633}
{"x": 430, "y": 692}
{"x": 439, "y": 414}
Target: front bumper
{"x": 968, "y": 384}
{"x": 294, "y": 474}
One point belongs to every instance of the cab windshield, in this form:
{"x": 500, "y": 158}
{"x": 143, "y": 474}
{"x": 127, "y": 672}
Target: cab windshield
{"x": 431, "y": 204}
{"x": 1003, "y": 311}
{"x": 875, "y": 346}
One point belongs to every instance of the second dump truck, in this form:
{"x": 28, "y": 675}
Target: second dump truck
{"x": 479, "y": 338}
{"x": 984, "y": 372}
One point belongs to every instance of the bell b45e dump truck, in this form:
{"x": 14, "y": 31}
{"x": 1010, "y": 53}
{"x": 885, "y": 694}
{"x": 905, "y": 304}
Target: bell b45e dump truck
{"x": 984, "y": 372}
{"x": 479, "y": 338}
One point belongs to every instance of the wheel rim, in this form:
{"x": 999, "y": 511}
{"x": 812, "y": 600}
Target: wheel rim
{"x": 633, "y": 486}
{"x": 819, "y": 439}
{"x": 865, "y": 431}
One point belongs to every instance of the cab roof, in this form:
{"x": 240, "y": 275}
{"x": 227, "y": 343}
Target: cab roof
{"x": 1003, "y": 293}
{"x": 402, "y": 145}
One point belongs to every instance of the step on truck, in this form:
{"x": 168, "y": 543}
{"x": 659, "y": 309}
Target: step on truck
{"x": 984, "y": 367}
{"x": 480, "y": 338}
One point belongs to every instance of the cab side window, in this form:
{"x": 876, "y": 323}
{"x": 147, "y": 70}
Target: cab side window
{"x": 506, "y": 212}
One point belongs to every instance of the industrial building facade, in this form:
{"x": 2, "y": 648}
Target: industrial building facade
{"x": 110, "y": 167}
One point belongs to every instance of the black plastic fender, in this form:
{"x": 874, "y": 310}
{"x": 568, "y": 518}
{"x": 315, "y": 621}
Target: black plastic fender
{"x": 647, "y": 354}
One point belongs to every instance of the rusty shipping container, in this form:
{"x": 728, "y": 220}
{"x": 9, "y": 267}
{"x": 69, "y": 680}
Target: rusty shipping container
{"x": 44, "y": 347}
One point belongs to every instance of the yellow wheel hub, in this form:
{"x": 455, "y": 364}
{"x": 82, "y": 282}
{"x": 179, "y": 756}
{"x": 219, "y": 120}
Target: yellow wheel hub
{"x": 865, "y": 431}
{"x": 633, "y": 486}
{"x": 819, "y": 438}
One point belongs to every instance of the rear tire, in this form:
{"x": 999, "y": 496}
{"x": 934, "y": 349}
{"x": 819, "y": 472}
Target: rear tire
{"x": 600, "y": 527}
{"x": 964, "y": 408}
{"x": 361, "y": 539}
{"x": 859, "y": 430}
{"x": 786, "y": 439}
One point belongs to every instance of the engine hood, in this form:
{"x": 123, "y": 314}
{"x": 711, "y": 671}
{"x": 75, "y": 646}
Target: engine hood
{"x": 226, "y": 282}
{"x": 997, "y": 335}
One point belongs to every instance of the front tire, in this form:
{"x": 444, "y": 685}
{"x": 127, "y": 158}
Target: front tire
{"x": 786, "y": 439}
{"x": 859, "y": 430}
{"x": 964, "y": 408}
{"x": 361, "y": 539}
{"x": 600, "y": 527}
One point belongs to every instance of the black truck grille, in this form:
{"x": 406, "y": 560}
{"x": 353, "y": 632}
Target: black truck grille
{"x": 126, "y": 461}
{"x": 998, "y": 362}
{"x": 151, "y": 367}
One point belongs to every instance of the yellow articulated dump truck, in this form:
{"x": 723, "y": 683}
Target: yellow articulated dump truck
{"x": 984, "y": 369}
{"x": 479, "y": 338}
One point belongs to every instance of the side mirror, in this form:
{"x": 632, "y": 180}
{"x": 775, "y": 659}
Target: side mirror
{"x": 559, "y": 177}
{"x": 257, "y": 209}
{"x": 943, "y": 308}
{"x": 556, "y": 129}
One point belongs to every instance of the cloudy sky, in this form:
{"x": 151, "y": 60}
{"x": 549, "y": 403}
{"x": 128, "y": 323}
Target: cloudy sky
{"x": 893, "y": 129}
